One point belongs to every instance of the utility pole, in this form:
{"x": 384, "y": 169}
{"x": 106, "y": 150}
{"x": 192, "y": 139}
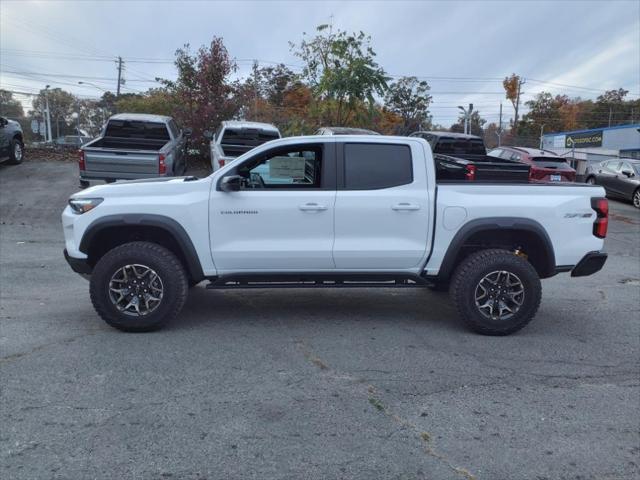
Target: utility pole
{"x": 610, "y": 111}
{"x": 515, "y": 120}
{"x": 255, "y": 89}
{"x": 46, "y": 96}
{"x": 541, "y": 135}
{"x": 500, "y": 126}
{"x": 119, "y": 76}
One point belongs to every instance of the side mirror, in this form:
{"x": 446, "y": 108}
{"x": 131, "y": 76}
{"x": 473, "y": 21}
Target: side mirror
{"x": 187, "y": 132}
{"x": 231, "y": 183}
{"x": 208, "y": 134}
{"x": 627, "y": 173}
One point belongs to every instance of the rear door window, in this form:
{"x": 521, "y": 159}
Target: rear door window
{"x": 376, "y": 166}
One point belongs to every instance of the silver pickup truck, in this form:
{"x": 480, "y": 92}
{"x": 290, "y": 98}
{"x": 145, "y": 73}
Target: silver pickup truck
{"x": 134, "y": 146}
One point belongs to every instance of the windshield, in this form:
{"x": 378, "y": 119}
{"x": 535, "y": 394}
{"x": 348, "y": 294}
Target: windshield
{"x": 549, "y": 160}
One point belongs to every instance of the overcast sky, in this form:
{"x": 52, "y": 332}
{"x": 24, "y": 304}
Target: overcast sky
{"x": 464, "y": 47}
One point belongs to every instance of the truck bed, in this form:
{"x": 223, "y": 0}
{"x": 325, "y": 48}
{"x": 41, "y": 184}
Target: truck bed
{"x": 456, "y": 168}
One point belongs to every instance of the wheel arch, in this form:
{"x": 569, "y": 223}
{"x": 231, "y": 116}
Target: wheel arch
{"x": 110, "y": 231}
{"x": 501, "y": 232}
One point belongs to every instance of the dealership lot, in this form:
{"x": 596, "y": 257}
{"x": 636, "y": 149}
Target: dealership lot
{"x": 308, "y": 384}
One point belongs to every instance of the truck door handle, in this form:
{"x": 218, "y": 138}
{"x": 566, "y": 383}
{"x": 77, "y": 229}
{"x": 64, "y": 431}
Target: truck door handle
{"x": 405, "y": 206}
{"x": 312, "y": 207}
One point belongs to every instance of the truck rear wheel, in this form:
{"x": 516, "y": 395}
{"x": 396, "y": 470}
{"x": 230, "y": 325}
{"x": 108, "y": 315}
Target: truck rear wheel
{"x": 496, "y": 292}
{"x": 138, "y": 287}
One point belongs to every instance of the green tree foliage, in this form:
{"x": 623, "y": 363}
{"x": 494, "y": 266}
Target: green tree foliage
{"x": 409, "y": 99}
{"x": 62, "y": 105}
{"x": 561, "y": 113}
{"x": 156, "y": 101}
{"x": 203, "y": 94}
{"x": 9, "y": 106}
{"x": 341, "y": 71}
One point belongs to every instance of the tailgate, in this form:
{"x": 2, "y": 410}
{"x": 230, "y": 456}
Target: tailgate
{"x": 120, "y": 161}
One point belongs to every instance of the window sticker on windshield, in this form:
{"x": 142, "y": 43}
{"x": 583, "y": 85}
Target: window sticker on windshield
{"x": 287, "y": 167}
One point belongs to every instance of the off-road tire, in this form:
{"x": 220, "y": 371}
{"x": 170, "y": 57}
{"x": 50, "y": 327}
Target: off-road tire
{"x": 473, "y": 269}
{"x": 163, "y": 262}
{"x": 13, "y": 158}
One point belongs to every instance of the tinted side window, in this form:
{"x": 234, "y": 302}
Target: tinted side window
{"x": 374, "y": 166}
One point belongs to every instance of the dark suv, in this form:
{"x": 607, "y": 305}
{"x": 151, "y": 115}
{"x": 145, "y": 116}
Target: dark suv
{"x": 11, "y": 141}
{"x": 545, "y": 166}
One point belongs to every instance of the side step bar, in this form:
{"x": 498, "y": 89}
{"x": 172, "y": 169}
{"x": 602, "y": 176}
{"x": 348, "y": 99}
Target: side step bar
{"x": 357, "y": 280}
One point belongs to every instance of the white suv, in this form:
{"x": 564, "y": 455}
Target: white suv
{"x": 234, "y": 138}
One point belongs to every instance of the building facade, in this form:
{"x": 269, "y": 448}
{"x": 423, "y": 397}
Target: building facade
{"x": 596, "y": 144}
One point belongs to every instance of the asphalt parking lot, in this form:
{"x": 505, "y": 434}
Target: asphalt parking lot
{"x": 301, "y": 384}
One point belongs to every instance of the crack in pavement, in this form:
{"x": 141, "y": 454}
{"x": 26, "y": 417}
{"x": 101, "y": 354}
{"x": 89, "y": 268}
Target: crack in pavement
{"x": 37, "y": 348}
{"x": 372, "y": 395}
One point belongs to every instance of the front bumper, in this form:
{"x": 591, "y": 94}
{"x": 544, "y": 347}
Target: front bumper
{"x": 78, "y": 265}
{"x": 591, "y": 263}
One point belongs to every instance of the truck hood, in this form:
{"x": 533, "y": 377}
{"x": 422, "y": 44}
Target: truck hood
{"x": 144, "y": 187}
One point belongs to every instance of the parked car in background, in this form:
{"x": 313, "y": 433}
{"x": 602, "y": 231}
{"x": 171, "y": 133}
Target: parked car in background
{"x": 619, "y": 177}
{"x": 234, "y": 138}
{"x": 133, "y": 146}
{"x": 344, "y": 131}
{"x": 72, "y": 141}
{"x": 545, "y": 166}
{"x": 464, "y": 157}
{"x": 11, "y": 141}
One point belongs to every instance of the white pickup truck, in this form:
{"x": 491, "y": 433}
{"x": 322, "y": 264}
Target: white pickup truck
{"x": 332, "y": 211}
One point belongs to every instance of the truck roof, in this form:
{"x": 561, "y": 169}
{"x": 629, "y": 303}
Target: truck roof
{"x": 245, "y": 124}
{"x": 141, "y": 117}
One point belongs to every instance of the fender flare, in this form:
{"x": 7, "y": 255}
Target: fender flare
{"x": 497, "y": 223}
{"x": 167, "y": 224}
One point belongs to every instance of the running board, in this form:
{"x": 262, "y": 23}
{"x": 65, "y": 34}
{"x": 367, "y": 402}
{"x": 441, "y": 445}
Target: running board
{"x": 318, "y": 280}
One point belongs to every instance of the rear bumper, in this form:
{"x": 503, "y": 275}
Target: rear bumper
{"x": 84, "y": 175}
{"x": 78, "y": 265}
{"x": 591, "y": 263}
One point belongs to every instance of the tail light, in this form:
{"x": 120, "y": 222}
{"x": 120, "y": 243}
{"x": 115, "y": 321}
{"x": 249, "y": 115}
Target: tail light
{"x": 162, "y": 167}
{"x": 470, "y": 172}
{"x": 220, "y": 162}
{"x": 601, "y": 223}
{"x": 81, "y": 163}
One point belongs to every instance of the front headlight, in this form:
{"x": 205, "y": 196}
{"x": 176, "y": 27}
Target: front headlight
{"x": 83, "y": 205}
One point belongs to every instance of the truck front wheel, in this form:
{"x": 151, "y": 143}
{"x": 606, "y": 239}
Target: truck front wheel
{"x": 138, "y": 286}
{"x": 496, "y": 292}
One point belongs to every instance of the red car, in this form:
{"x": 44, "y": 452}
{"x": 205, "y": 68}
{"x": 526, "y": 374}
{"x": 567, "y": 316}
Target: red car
{"x": 546, "y": 166}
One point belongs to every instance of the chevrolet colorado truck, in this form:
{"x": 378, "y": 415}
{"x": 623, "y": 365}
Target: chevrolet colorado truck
{"x": 331, "y": 211}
